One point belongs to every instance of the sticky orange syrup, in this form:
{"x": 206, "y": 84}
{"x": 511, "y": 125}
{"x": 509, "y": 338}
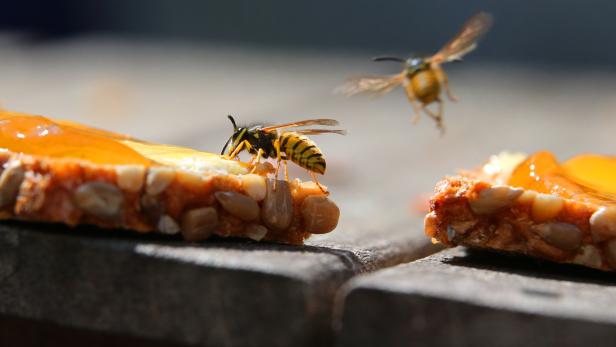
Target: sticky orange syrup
{"x": 37, "y": 135}
{"x": 587, "y": 177}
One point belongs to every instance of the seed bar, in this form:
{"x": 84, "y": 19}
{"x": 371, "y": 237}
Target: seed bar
{"x": 474, "y": 212}
{"x": 162, "y": 198}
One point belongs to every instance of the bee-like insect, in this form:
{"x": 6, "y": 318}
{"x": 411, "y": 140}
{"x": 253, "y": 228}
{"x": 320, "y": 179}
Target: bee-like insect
{"x": 422, "y": 77}
{"x": 276, "y": 142}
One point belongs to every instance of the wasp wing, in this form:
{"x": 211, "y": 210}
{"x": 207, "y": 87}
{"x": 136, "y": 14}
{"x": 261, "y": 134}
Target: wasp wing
{"x": 321, "y": 131}
{"x": 466, "y": 40}
{"x": 378, "y": 85}
{"x": 320, "y": 121}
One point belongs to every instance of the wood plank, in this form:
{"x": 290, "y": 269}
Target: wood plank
{"x": 470, "y": 298}
{"x": 221, "y": 292}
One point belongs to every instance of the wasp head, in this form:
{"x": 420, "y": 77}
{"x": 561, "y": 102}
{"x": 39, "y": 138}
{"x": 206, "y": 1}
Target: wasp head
{"x": 239, "y": 135}
{"x": 416, "y": 62}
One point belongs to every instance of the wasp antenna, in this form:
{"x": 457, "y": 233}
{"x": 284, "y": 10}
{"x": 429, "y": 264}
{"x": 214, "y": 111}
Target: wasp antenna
{"x": 232, "y": 121}
{"x": 388, "y": 58}
{"x": 225, "y": 147}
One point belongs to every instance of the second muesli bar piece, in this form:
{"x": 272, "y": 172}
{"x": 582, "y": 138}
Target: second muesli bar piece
{"x": 533, "y": 205}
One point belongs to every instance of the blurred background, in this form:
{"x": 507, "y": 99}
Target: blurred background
{"x": 169, "y": 71}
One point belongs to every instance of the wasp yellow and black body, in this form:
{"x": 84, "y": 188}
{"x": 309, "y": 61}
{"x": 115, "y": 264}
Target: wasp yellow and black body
{"x": 422, "y": 77}
{"x": 281, "y": 144}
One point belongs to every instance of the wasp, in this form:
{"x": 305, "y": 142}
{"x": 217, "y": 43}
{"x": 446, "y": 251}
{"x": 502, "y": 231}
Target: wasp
{"x": 422, "y": 76}
{"x": 279, "y": 143}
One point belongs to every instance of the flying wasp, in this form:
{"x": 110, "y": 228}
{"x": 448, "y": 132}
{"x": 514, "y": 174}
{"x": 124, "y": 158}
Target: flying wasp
{"x": 423, "y": 77}
{"x": 279, "y": 143}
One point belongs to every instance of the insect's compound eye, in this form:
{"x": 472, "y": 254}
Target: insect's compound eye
{"x": 415, "y": 62}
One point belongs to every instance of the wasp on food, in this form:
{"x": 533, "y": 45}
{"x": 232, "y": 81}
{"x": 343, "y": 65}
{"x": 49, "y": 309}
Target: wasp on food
{"x": 422, "y": 76}
{"x": 279, "y": 142}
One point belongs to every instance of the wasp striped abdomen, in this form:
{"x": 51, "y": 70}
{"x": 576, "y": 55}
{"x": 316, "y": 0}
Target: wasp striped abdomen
{"x": 302, "y": 151}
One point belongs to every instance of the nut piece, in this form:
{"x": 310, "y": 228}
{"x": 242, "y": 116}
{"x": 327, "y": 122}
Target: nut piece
{"x": 10, "y": 181}
{"x": 603, "y": 224}
{"x": 199, "y": 224}
{"x": 254, "y": 186}
{"x": 256, "y": 232}
{"x": 565, "y": 236}
{"x": 167, "y": 225}
{"x": 430, "y": 225}
{"x": 158, "y": 179}
{"x": 546, "y": 206}
{"x": 99, "y": 199}
{"x": 277, "y": 210}
{"x": 588, "y": 256}
{"x": 527, "y": 197}
{"x": 320, "y": 214}
{"x": 151, "y": 208}
{"x": 130, "y": 177}
{"x": 189, "y": 178}
{"x": 238, "y": 205}
{"x": 494, "y": 198}
{"x": 461, "y": 227}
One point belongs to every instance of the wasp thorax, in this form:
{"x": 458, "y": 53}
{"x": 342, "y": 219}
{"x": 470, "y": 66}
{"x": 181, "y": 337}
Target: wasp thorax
{"x": 414, "y": 64}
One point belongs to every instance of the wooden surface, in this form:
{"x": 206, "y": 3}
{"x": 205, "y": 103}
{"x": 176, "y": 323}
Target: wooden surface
{"x": 380, "y": 174}
{"x": 470, "y": 298}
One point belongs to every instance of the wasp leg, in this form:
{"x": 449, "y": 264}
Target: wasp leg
{"x": 314, "y": 178}
{"x": 442, "y": 78}
{"x": 278, "y": 160}
{"x": 256, "y": 160}
{"x": 238, "y": 149}
{"x": 286, "y": 170}
{"x": 438, "y": 117}
{"x": 413, "y": 100}
{"x": 417, "y": 111}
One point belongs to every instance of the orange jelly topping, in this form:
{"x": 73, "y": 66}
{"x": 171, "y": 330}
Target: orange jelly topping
{"x": 37, "y": 135}
{"x": 588, "y": 177}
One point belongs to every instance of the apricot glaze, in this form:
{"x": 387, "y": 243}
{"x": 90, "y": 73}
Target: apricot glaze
{"x": 37, "y": 135}
{"x": 588, "y": 177}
